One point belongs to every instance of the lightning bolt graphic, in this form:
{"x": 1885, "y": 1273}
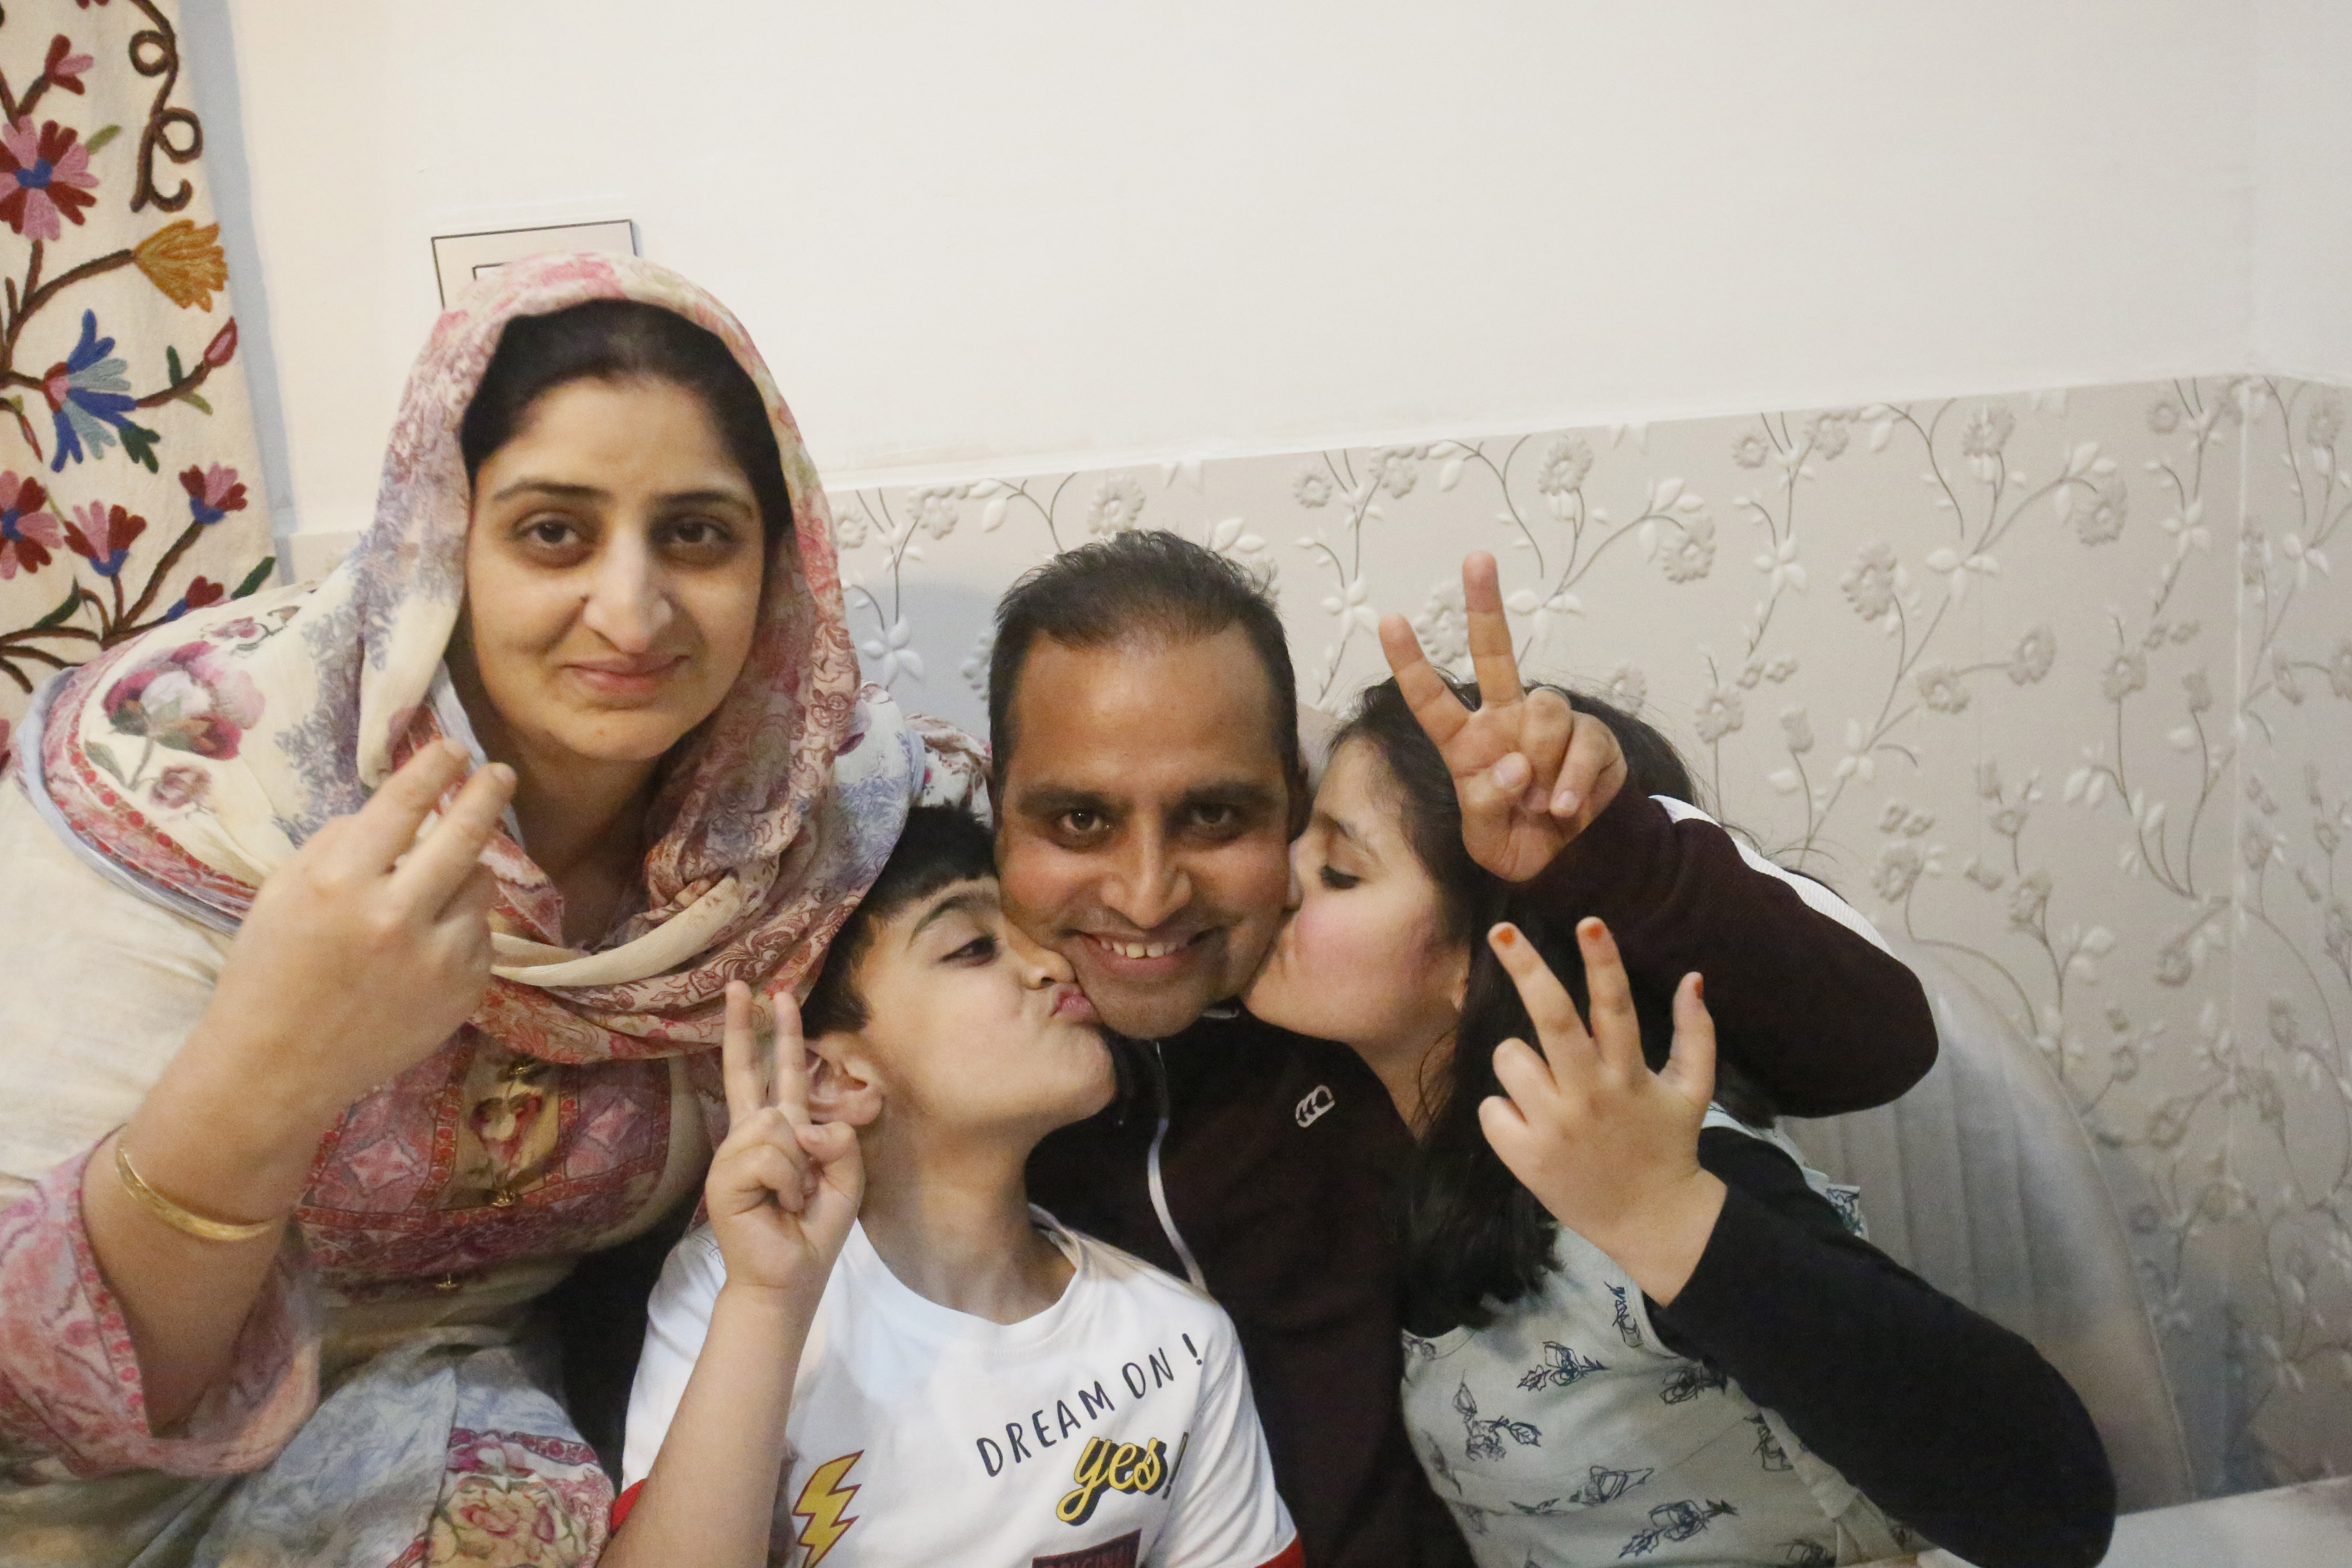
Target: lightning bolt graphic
{"x": 821, "y": 1502}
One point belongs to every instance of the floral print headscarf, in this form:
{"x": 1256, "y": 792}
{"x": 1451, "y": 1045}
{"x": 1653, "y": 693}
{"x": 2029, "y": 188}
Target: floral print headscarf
{"x": 192, "y": 762}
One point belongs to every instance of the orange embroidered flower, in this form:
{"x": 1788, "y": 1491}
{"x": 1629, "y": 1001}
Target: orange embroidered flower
{"x": 185, "y": 262}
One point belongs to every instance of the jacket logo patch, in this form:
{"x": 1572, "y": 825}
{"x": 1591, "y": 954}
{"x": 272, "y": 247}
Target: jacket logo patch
{"x": 1313, "y": 1104}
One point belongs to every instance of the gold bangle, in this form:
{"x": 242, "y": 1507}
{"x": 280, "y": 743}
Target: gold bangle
{"x": 175, "y": 1216}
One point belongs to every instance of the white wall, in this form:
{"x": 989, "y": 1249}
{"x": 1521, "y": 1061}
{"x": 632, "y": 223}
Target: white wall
{"x": 2302, "y": 204}
{"x": 1047, "y": 231}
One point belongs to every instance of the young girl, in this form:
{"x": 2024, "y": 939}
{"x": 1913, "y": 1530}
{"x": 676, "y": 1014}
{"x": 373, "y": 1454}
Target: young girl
{"x": 1638, "y": 1327}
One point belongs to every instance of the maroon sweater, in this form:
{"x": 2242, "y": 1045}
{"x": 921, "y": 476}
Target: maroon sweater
{"x": 1282, "y": 1157}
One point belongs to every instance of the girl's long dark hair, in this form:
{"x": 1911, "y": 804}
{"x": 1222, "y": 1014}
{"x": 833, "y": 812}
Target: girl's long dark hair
{"x": 1474, "y": 1236}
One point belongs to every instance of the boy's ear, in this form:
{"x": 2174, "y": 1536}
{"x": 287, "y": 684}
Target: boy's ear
{"x": 840, "y": 1086}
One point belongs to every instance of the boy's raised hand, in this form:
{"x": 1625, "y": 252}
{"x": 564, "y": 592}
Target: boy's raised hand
{"x": 1530, "y": 771}
{"x": 783, "y": 1189}
{"x": 1608, "y": 1146}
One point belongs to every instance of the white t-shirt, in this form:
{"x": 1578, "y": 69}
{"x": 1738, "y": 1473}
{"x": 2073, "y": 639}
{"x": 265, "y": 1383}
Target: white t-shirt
{"x": 1112, "y": 1430}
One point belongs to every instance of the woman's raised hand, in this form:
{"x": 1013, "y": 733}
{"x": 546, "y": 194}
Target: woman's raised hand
{"x": 1530, "y": 771}
{"x": 783, "y": 1189}
{"x": 1608, "y": 1146}
{"x": 371, "y": 945}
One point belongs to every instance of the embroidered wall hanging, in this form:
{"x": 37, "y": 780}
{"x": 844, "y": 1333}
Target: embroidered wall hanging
{"x": 128, "y": 492}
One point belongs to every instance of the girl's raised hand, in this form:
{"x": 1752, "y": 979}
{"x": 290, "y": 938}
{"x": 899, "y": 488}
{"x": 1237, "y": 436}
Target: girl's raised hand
{"x": 1608, "y": 1146}
{"x": 1531, "y": 772}
{"x": 783, "y": 1189}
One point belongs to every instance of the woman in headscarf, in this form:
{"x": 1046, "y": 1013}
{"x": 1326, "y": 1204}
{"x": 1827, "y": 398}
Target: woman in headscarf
{"x": 324, "y": 1060}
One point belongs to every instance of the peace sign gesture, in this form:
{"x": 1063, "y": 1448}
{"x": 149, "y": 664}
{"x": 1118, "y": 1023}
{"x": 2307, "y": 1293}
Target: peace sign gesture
{"x": 1608, "y": 1146}
{"x": 783, "y": 1189}
{"x": 1530, "y": 771}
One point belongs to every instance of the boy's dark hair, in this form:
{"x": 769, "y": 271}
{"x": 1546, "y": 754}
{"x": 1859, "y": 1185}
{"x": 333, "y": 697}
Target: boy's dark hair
{"x": 624, "y": 340}
{"x": 940, "y": 845}
{"x": 1474, "y": 1235}
{"x": 1147, "y": 585}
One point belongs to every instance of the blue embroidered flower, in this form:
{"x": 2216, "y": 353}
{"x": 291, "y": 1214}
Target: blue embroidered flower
{"x": 89, "y": 397}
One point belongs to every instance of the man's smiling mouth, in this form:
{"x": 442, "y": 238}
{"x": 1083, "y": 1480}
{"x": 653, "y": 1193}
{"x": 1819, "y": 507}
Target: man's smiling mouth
{"x": 1138, "y": 948}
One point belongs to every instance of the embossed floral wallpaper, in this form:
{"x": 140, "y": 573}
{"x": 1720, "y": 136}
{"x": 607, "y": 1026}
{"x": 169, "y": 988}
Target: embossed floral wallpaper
{"x": 2058, "y": 682}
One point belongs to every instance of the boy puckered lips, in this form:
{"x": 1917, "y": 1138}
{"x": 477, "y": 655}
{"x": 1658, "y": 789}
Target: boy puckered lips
{"x": 877, "y": 1352}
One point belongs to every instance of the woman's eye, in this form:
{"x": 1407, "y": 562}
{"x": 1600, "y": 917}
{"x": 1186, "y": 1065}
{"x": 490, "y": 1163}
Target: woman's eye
{"x": 1337, "y": 880}
{"x": 979, "y": 950}
{"x": 700, "y": 538}
{"x": 551, "y": 533}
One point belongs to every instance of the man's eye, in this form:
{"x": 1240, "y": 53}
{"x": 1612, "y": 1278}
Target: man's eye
{"x": 1221, "y": 819}
{"x": 979, "y": 950}
{"x": 1079, "y": 823}
{"x": 1338, "y": 881}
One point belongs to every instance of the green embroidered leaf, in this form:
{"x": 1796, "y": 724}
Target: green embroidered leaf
{"x": 256, "y": 578}
{"x": 139, "y": 444}
{"x": 172, "y": 359}
{"x": 97, "y": 751}
{"x": 63, "y": 613}
{"x": 104, "y": 134}
{"x": 190, "y": 396}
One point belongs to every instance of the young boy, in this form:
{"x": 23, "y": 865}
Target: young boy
{"x": 877, "y": 1352}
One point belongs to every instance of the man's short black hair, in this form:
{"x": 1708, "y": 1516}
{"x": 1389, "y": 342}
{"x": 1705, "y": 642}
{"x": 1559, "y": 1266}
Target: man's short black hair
{"x": 939, "y": 846}
{"x": 1149, "y": 585}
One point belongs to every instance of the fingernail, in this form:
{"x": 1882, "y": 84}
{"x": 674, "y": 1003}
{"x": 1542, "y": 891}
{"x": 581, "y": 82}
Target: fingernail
{"x": 503, "y": 773}
{"x": 1698, "y": 986}
{"x": 1564, "y": 803}
{"x": 1505, "y": 934}
{"x": 454, "y": 747}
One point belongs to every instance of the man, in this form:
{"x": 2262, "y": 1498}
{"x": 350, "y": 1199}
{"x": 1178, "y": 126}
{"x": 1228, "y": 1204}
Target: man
{"x": 1147, "y": 780}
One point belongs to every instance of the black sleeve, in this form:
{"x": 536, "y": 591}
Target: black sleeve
{"x": 1944, "y": 1419}
{"x": 1820, "y": 1017}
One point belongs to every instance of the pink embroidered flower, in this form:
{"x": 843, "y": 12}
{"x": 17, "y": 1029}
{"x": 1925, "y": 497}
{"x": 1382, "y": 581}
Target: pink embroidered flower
{"x": 193, "y": 698}
{"x": 103, "y": 535}
{"x": 28, "y": 533}
{"x": 212, "y": 494}
{"x": 43, "y": 174}
{"x": 63, "y": 67}
{"x": 506, "y": 1521}
{"x": 223, "y": 348}
{"x": 180, "y": 786}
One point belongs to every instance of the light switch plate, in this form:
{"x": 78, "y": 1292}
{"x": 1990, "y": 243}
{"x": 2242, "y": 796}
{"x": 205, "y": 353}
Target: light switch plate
{"x": 459, "y": 258}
